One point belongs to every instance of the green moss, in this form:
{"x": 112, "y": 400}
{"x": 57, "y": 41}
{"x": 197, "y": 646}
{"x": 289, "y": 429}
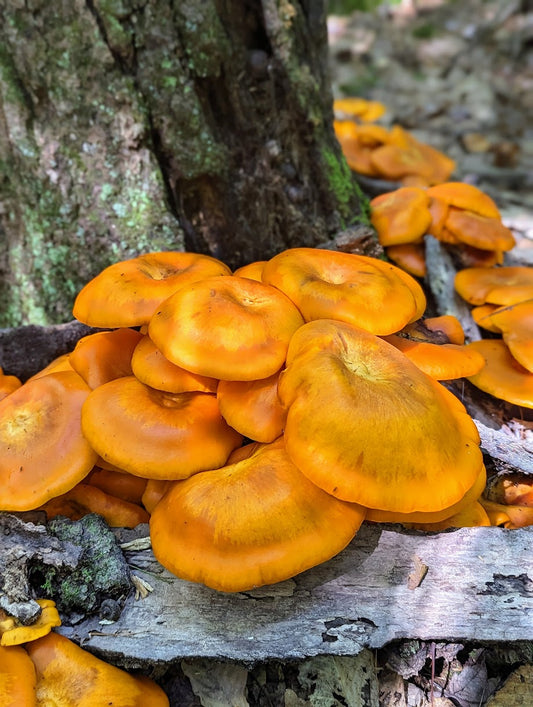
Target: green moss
{"x": 345, "y": 189}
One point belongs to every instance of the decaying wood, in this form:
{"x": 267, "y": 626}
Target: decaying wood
{"x": 477, "y": 585}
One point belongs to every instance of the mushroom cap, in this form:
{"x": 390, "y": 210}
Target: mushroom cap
{"x": 231, "y": 328}
{"x": 472, "y": 516}
{"x": 376, "y": 515}
{"x": 251, "y": 523}
{"x": 69, "y": 675}
{"x": 252, "y": 407}
{"x": 253, "y": 271}
{"x": 61, "y": 363}
{"x": 479, "y": 231}
{"x": 154, "y": 434}
{"x": 507, "y": 516}
{"x": 444, "y": 329}
{"x": 439, "y": 213}
{"x": 361, "y": 108}
{"x": 410, "y": 257}
{"x": 17, "y": 678}
{"x": 366, "y": 425}
{"x": 104, "y": 356}
{"x": 516, "y": 325}
{"x": 502, "y": 376}
{"x": 506, "y": 285}
{"x": 440, "y": 361}
{"x": 18, "y": 633}
{"x": 401, "y": 216}
{"x": 8, "y": 384}
{"x": 118, "y": 483}
{"x": 153, "y": 369}
{"x": 465, "y": 196}
{"x": 366, "y": 292}
{"x": 43, "y": 452}
{"x": 481, "y": 316}
{"x": 128, "y": 293}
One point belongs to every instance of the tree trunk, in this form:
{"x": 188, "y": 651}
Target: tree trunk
{"x": 127, "y": 127}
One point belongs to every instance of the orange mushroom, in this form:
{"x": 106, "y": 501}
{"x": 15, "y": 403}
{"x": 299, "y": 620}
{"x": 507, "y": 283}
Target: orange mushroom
{"x": 479, "y": 231}
{"x": 154, "y": 492}
{"x": 253, "y": 270}
{"x": 8, "y": 384}
{"x": 465, "y": 196}
{"x": 252, "y": 407}
{"x": 444, "y": 329}
{"x": 439, "y": 212}
{"x": 230, "y": 328}
{"x": 68, "y": 675}
{"x": 366, "y": 292}
{"x": 387, "y": 436}
{"x": 17, "y": 678}
{"x": 104, "y": 356}
{"x": 504, "y": 286}
{"x": 472, "y": 516}
{"x": 154, "y": 434}
{"x": 361, "y": 108}
{"x": 43, "y": 452}
{"x": 516, "y": 325}
{"x": 481, "y": 316}
{"x": 13, "y": 632}
{"x": 514, "y": 489}
{"x": 507, "y": 516}
{"x": 127, "y": 294}
{"x": 118, "y": 483}
{"x": 84, "y": 499}
{"x": 502, "y": 376}
{"x": 255, "y": 522}
{"x": 61, "y": 363}
{"x": 410, "y": 257}
{"x": 153, "y": 369}
{"x": 401, "y": 216}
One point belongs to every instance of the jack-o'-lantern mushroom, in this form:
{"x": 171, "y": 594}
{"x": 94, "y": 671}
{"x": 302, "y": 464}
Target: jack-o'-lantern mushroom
{"x": 255, "y": 522}
{"x": 380, "y": 433}
{"x": 127, "y": 293}
{"x": 368, "y": 293}
{"x": 154, "y": 434}
{"x": 231, "y": 328}
{"x": 43, "y": 452}
{"x": 68, "y": 675}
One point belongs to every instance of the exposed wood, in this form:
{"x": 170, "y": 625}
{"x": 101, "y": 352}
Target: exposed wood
{"x": 478, "y": 586}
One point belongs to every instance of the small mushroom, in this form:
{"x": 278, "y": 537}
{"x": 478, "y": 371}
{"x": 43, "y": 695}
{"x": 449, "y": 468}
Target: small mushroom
{"x": 479, "y": 231}
{"x": 104, "y": 356}
{"x": 516, "y": 326}
{"x": 503, "y": 286}
{"x": 14, "y": 633}
{"x": 410, "y": 257}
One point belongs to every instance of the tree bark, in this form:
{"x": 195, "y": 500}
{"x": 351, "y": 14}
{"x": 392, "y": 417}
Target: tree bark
{"x": 127, "y": 127}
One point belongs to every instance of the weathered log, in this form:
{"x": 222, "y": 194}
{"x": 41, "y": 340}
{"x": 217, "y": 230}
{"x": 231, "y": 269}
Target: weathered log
{"x": 469, "y": 584}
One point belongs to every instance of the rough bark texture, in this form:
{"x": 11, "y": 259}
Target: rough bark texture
{"x": 127, "y": 127}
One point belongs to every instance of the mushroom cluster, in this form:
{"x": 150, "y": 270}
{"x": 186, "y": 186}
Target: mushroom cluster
{"x": 502, "y": 301}
{"x": 39, "y": 667}
{"x": 392, "y": 153}
{"x": 456, "y": 213}
{"x": 301, "y": 357}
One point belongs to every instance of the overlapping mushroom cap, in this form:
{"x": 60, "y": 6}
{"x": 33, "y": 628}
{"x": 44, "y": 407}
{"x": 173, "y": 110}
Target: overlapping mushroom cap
{"x": 231, "y": 328}
{"x": 254, "y": 522}
{"x": 154, "y": 434}
{"x": 43, "y": 452}
{"x": 366, "y": 292}
{"x": 368, "y": 426}
{"x": 128, "y": 293}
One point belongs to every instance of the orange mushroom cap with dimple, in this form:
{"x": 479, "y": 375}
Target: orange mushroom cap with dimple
{"x": 153, "y": 369}
{"x": 17, "y": 678}
{"x": 366, "y": 292}
{"x": 255, "y": 522}
{"x": 154, "y": 434}
{"x": 465, "y": 196}
{"x": 69, "y": 676}
{"x": 502, "y": 376}
{"x": 104, "y": 356}
{"x": 479, "y": 231}
{"x": 127, "y": 294}
{"x": 516, "y": 325}
{"x": 387, "y": 435}
{"x": 43, "y": 452}
{"x": 401, "y": 216}
{"x": 505, "y": 285}
{"x": 252, "y": 407}
{"x": 230, "y": 328}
